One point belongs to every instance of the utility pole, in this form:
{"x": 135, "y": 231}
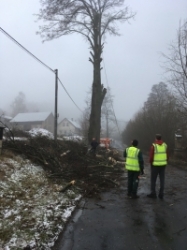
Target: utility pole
{"x": 56, "y": 103}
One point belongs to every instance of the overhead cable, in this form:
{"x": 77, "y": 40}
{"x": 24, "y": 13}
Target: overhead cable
{"x": 69, "y": 95}
{"x": 21, "y": 46}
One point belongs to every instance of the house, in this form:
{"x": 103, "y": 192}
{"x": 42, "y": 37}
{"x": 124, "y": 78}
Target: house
{"x": 5, "y": 120}
{"x": 68, "y": 127}
{"x": 27, "y": 121}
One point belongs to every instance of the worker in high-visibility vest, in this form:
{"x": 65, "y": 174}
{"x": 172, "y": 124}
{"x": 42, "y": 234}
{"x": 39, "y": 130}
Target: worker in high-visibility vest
{"x": 135, "y": 166}
{"x": 158, "y": 160}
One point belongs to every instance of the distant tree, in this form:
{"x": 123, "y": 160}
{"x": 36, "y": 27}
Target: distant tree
{"x": 2, "y": 112}
{"x": 19, "y": 104}
{"x": 93, "y": 19}
{"x": 84, "y": 121}
{"x": 176, "y": 68}
{"x": 158, "y": 115}
{"x": 107, "y": 115}
{"x": 33, "y": 107}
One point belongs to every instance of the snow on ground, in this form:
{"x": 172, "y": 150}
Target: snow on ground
{"x": 73, "y": 138}
{"x": 43, "y": 132}
{"x": 32, "y": 210}
{"x": 40, "y": 132}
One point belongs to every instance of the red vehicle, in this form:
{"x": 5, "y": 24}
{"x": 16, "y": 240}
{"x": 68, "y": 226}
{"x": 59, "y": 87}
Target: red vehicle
{"x": 105, "y": 142}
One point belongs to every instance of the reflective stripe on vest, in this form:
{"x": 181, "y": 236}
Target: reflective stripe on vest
{"x": 160, "y": 155}
{"x": 132, "y": 162}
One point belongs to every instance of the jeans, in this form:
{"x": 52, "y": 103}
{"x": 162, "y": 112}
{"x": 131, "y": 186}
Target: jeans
{"x": 155, "y": 171}
{"x": 133, "y": 181}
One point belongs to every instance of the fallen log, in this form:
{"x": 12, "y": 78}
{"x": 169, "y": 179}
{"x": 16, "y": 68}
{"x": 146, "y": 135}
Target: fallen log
{"x": 120, "y": 162}
{"x": 65, "y": 153}
{"x": 67, "y": 186}
{"x": 115, "y": 183}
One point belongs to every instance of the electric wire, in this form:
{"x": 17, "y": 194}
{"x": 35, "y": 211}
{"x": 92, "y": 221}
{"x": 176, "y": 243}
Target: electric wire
{"x": 31, "y": 54}
{"x": 110, "y": 97}
{"x": 69, "y": 95}
{"x": 21, "y": 46}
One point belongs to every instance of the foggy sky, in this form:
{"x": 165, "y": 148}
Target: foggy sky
{"x": 132, "y": 61}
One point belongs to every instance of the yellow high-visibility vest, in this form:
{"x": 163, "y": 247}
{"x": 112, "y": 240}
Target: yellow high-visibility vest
{"x": 132, "y": 162}
{"x": 160, "y": 155}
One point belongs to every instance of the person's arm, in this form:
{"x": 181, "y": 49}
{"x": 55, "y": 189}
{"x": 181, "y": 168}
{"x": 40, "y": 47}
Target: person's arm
{"x": 125, "y": 153}
{"x": 167, "y": 152}
{"x": 151, "y": 154}
{"x": 141, "y": 162}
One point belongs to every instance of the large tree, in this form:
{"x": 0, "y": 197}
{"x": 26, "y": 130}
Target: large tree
{"x": 93, "y": 19}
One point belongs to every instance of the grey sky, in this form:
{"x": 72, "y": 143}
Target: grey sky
{"x": 132, "y": 61}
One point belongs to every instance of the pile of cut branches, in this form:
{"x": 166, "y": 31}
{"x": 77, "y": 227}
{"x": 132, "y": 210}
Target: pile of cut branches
{"x": 70, "y": 160}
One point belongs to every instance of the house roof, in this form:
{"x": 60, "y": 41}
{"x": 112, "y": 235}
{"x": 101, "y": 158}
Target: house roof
{"x": 5, "y": 117}
{"x": 74, "y": 123}
{"x": 31, "y": 117}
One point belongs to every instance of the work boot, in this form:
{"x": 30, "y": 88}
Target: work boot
{"x": 161, "y": 196}
{"x": 135, "y": 196}
{"x": 153, "y": 196}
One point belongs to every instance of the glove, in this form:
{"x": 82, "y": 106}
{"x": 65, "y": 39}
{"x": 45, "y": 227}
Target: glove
{"x": 142, "y": 172}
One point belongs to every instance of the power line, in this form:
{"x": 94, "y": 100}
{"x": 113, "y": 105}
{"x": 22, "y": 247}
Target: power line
{"x": 21, "y": 46}
{"x": 69, "y": 95}
{"x": 31, "y": 54}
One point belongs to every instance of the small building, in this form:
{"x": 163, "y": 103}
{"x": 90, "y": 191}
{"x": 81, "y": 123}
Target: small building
{"x": 178, "y": 141}
{"x": 179, "y": 150}
{"x": 27, "y": 121}
{"x": 68, "y": 127}
{"x": 5, "y": 120}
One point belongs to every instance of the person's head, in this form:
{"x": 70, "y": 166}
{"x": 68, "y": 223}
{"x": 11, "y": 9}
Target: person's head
{"x": 158, "y": 136}
{"x": 93, "y": 138}
{"x": 135, "y": 143}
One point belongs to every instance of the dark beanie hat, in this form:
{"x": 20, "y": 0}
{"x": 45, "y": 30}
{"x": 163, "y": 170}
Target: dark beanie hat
{"x": 158, "y": 136}
{"x": 135, "y": 142}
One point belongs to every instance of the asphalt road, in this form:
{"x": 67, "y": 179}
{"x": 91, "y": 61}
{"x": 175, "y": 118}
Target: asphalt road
{"x": 115, "y": 222}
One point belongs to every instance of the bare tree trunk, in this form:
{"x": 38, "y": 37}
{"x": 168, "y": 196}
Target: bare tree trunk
{"x": 98, "y": 92}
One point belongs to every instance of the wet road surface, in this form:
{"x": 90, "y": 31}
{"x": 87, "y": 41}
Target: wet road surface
{"x": 116, "y": 222}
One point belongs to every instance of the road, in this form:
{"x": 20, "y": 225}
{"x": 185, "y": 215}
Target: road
{"x": 115, "y": 222}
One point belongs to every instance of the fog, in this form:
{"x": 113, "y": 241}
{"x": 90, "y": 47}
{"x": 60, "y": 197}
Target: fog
{"x": 131, "y": 66}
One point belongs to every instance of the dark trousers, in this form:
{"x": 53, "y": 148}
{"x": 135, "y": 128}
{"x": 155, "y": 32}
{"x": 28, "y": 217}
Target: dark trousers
{"x": 155, "y": 171}
{"x": 133, "y": 181}
{"x": 93, "y": 151}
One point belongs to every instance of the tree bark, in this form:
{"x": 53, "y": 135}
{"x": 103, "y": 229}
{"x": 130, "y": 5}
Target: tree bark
{"x": 98, "y": 91}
